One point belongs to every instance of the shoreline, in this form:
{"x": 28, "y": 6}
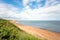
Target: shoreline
{"x": 38, "y": 32}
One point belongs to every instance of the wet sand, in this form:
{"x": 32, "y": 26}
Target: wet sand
{"x": 38, "y": 32}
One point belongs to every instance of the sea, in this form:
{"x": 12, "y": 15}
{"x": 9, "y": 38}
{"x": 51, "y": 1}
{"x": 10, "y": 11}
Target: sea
{"x": 47, "y": 25}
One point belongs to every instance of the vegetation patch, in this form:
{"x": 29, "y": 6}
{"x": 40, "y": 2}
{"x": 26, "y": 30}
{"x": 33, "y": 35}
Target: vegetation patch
{"x": 8, "y": 31}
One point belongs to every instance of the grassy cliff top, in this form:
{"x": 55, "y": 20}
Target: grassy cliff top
{"x": 8, "y": 31}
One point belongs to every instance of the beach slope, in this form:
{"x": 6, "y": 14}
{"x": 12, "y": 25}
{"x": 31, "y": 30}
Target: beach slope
{"x": 38, "y": 32}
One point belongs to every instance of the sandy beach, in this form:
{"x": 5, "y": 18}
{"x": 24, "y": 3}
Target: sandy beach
{"x": 38, "y": 32}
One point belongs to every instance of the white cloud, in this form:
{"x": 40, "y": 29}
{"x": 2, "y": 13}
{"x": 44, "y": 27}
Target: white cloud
{"x": 25, "y": 2}
{"x": 47, "y": 12}
{"x": 44, "y": 13}
{"x": 51, "y": 2}
{"x": 47, "y": 2}
{"x": 7, "y": 10}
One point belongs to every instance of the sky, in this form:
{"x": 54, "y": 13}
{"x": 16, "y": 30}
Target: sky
{"x": 30, "y": 9}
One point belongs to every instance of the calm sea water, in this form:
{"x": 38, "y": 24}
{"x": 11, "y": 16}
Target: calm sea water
{"x": 48, "y": 25}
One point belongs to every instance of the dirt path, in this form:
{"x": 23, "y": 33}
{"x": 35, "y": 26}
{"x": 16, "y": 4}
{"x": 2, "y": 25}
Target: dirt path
{"x": 38, "y": 32}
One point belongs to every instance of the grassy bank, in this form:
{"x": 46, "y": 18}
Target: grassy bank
{"x": 8, "y": 31}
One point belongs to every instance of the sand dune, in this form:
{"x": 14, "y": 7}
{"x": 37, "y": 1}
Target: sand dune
{"x": 38, "y": 32}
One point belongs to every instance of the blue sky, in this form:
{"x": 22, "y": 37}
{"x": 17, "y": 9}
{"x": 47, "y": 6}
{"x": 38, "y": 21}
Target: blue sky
{"x": 30, "y": 9}
{"x": 19, "y": 3}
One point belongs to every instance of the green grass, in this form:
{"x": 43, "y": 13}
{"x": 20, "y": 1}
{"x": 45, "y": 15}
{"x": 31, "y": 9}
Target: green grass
{"x": 8, "y": 31}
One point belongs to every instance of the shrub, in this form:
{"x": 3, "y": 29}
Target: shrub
{"x": 8, "y": 31}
